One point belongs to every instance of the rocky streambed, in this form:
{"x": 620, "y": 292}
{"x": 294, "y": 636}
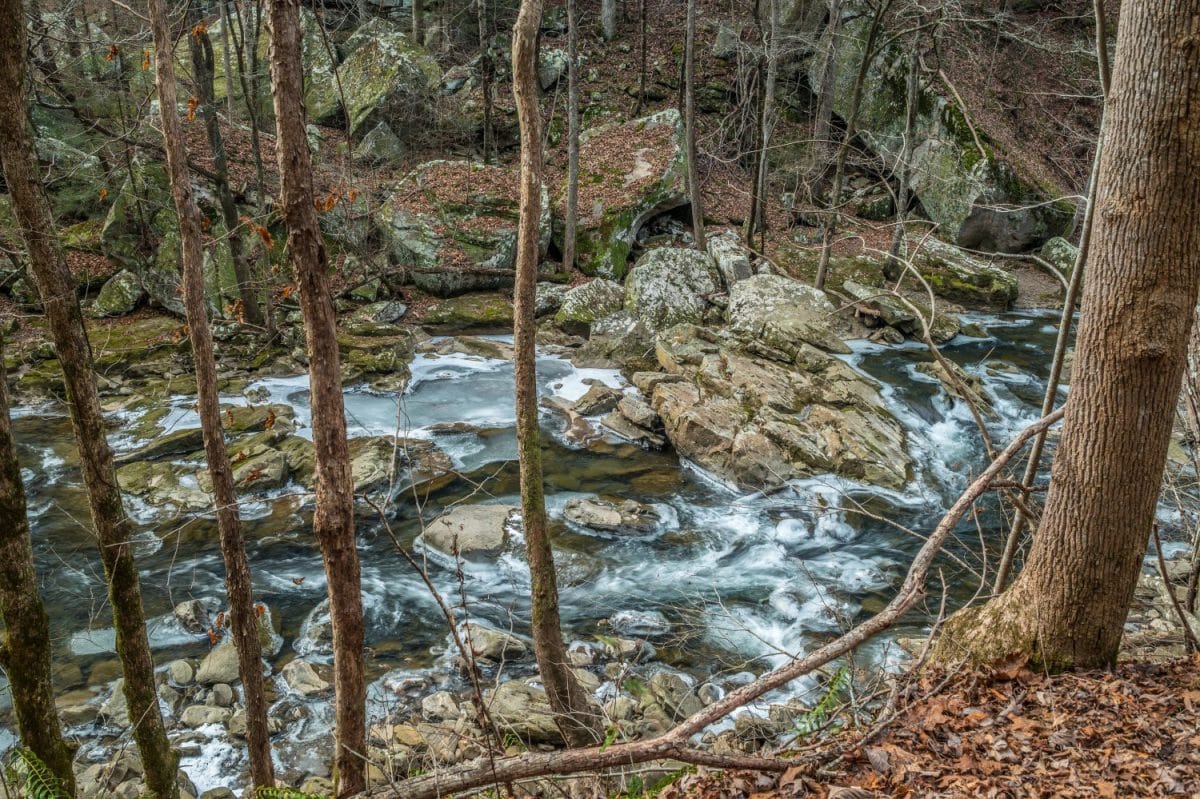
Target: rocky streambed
{"x": 684, "y": 570}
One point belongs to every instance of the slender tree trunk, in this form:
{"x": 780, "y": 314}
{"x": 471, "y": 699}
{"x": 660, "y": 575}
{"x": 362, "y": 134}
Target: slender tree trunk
{"x": 567, "y": 697}
{"x": 65, "y": 321}
{"x": 226, "y": 57}
{"x": 333, "y": 519}
{"x": 243, "y": 621}
{"x": 904, "y": 168}
{"x": 25, "y": 652}
{"x": 1067, "y": 608}
{"x": 766, "y": 125}
{"x": 822, "y": 145}
{"x": 572, "y": 213}
{"x": 486, "y": 76}
{"x": 689, "y": 121}
{"x": 608, "y": 19}
{"x": 829, "y": 228}
{"x": 641, "y": 103}
{"x": 202, "y": 67}
{"x": 418, "y": 22}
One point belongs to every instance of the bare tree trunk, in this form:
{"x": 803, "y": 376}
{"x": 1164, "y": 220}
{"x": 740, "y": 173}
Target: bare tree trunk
{"x": 1067, "y": 608}
{"x": 243, "y": 621}
{"x": 227, "y": 58}
{"x": 641, "y": 103}
{"x": 333, "y": 519}
{"x": 65, "y": 321}
{"x": 486, "y": 76}
{"x": 904, "y": 168}
{"x": 202, "y": 68}
{"x": 25, "y": 652}
{"x": 567, "y": 697}
{"x": 829, "y": 226}
{"x": 571, "y": 221}
{"x": 822, "y": 146}
{"x": 766, "y": 124}
{"x": 689, "y": 121}
{"x": 418, "y": 21}
{"x": 608, "y": 19}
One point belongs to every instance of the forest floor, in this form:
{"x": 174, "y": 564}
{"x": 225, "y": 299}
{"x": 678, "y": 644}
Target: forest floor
{"x": 1008, "y": 732}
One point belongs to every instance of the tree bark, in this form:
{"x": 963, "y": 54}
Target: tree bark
{"x": 56, "y": 288}
{"x": 641, "y": 103}
{"x": 571, "y": 220}
{"x": 333, "y": 519}
{"x": 418, "y": 22}
{"x": 757, "y": 219}
{"x": 822, "y": 146}
{"x": 608, "y": 19}
{"x": 904, "y": 169}
{"x": 243, "y": 621}
{"x": 689, "y": 121}
{"x": 1067, "y": 608}
{"x": 486, "y": 76}
{"x": 202, "y": 67}
{"x": 567, "y": 698}
{"x": 25, "y": 653}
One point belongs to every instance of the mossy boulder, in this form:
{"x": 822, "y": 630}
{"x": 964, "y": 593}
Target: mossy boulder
{"x": 670, "y": 285}
{"x": 386, "y": 79}
{"x": 588, "y": 303}
{"x": 784, "y": 314}
{"x": 629, "y": 173}
{"x": 976, "y": 198}
{"x": 1061, "y": 254}
{"x": 452, "y": 225}
{"x": 482, "y": 310}
{"x": 120, "y": 295}
{"x": 956, "y": 276}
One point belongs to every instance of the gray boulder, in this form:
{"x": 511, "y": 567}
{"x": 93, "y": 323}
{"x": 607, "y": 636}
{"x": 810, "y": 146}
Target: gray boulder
{"x": 524, "y": 711}
{"x": 219, "y": 665}
{"x": 121, "y": 294}
{"x": 669, "y": 286}
{"x": 730, "y": 256}
{"x": 588, "y": 303}
{"x": 475, "y": 530}
{"x": 783, "y": 313}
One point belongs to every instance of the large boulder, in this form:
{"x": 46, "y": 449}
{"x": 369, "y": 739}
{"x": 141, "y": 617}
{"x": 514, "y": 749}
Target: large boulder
{"x": 783, "y": 314}
{"x": 629, "y": 173}
{"x": 474, "y": 530}
{"x": 121, "y": 294}
{"x": 759, "y": 422}
{"x": 73, "y": 178}
{"x": 956, "y": 276}
{"x": 385, "y": 80}
{"x": 588, "y": 303}
{"x": 524, "y": 711}
{"x": 975, "y": 197}
{"x": 668, "y": 286}
{"x": 453, "y": 226}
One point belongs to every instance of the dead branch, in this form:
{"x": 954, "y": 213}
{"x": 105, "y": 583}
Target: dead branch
{"x": 675, "y": 743}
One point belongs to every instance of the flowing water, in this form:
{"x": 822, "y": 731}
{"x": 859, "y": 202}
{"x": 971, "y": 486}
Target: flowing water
{"x": 740, "y": 579}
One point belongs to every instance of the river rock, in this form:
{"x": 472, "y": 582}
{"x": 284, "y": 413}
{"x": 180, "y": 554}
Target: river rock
{"x": 439, "y": 706}
{"x": 629, "y": 172}
{"x": 587, "y": 303}
{"x": 618, "y": 423}
{"x": 193, "y": 615}
{"x": 1061, "y": 254}
{"x": 524, "y": 711}
{"x": 675, "y": 694}
{"x": 637, "y": 411}
{"x": 302, "y": 678}
{"x": 475, "y": 530}
{"x": 495, "y": 645}
{"x": 121, "y": 294}
{"x": 476, "y": 311}
{"x": 200, "y": 715}
{"x": 640, "y": 623}
{"x": 668, "y": 286}
{"x": 398, "y": 464}
{"x": 219, "y": 665}
{"x": 730, "y": 256}
{"x": 548, "y": 299}
{"x": 453, "y": 226}
{"x": 759, "y": 422}
{"x": 958, "y": 383}
{"x": 619, "y": 340}
{"x": 180, "y": 673}
{"x": 114, "y": 710}
{"x": 598, "y": 399}
{"x": 959, "y": 277}
{"x": 612, "y": 516}
{"x": 167, "y": 445}
{"x": 222, "y": 695}
{"x": 316, "y": 632}
{"x": 784, "y": 313}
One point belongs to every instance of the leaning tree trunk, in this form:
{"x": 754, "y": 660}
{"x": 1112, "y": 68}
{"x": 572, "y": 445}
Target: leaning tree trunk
{"x": 689, "y": 121}
{"x": 1067, "y": 607}
{"x": 567, "y": 697}
{"x": 243, "y": 621}
{"x": 333, "y": 519}
{"x": 25, "y": 652}
{"x": 65, "y": 321}
{"x": 202, "y": 67}
{"x": 571, "y": 217}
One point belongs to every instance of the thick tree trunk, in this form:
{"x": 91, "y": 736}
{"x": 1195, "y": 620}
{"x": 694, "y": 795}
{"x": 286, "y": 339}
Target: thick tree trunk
{"x": 822, "y": 147}
{"x": 567, "y": 697}
{"x": 243, "y": 621}
{"x": 65, "y": 321}
{"x": 333, "y": 519}
{"x": 571, "y": 220}
{"x": 1067, "y": 608}
{"x": 25, "y": 654}
{"x": 202, "y": 67}
{"x": 689, "y": 121}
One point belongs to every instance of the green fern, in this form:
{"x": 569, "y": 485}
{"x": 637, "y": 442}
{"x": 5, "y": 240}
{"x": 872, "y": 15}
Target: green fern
{"x": 35, "y": 779}
{"x": 267, "y": 792}
{"x": 814, "y": 719}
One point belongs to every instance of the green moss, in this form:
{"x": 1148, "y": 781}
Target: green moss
{"x": 481, "y": 310}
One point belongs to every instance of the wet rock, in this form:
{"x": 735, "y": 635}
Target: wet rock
{"x": 180, "y": 672}
{"x": 113, "y": 710}
{"x": 302, "y": 678}
{"x": 439, "y": 706}
{"x": 474, "y": 530}
{"x": 200, "y": 715}
{"x": 453, "y": 226}
{"x": 612, "y": 516}
{"x": 668, "y": 286}
{"x": 495, "y": 645}
{"x": 783, "y": 313}
{"x": 242, "y": 419}
{"x": 598, "y": 399}
{"x": 588, "y": 303}
{"x": 121, "y": 294}
{"x": 482, "y": 311}
{"x": 524, "y": 711}
{"x": 958, "y": 383}
{"x": 629, "y": 649}
{"x": 379, "y": 463}
{"x": 474, "y": 346}
{"x": 731, "y": 257}
{"x": 637, "y": 411}
{"x": 640, "y": 623}
{"x": 219, "y": 665}
{"x": 548, "y": 299}
{"x": 222, "y": 695}
{"x": 194, "y": 616}
{"x": 959, "y": 277}
{"x": 77, "y": 707}
{"x": 629, "y": 173}
{"x": 167, "y": 445}
{"x": 619, "y": 424}
{"x": 316, "y": 632}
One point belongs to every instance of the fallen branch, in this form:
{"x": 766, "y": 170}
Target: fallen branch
{"x": 675, "y": 743}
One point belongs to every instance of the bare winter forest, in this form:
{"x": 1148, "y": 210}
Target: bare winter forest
{"x": 729, "y": 399}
